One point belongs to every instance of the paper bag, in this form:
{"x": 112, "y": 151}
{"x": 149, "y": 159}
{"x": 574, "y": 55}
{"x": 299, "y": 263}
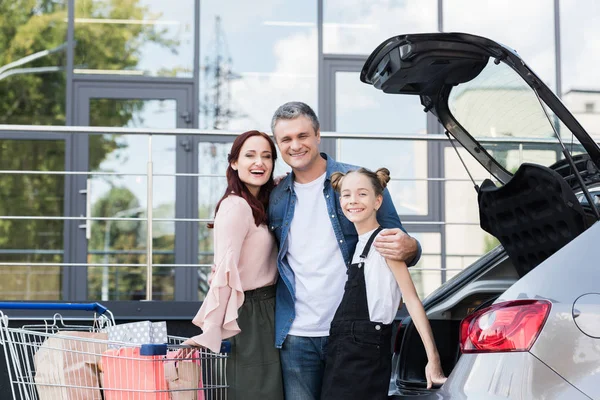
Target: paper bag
{"x": 65, "y": 363}
{"x": 128, "y": 375}
{"x": 184, "y": 377}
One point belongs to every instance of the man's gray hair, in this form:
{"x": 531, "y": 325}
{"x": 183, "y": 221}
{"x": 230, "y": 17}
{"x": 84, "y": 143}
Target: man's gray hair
{"x": 293, "y": 110}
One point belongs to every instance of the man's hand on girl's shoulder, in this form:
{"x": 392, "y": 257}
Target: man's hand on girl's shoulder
{"x": 396, "y": 245}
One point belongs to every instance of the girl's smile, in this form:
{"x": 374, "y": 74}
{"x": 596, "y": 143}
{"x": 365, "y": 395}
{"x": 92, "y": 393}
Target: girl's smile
{"x": 359, "y": 202}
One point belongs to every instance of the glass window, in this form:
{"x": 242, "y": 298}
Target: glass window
{"x": 124, "y": 196}
{"x": 139, "y": 37}
{"x": 32, "y": 62}
{"x": 579, "y": 61}
{"x": 38, "y": 240}
{"x": 359, "y": 26}
{"x": 428, "y": 279}
{"x": 465, "y": 240}
{"x": 407, "y": 162}
{"x": 525, "y": 26}
{"x": 498, "y": 103}
{"x": 212, "y": 164}
{"x": 255, "y": 56}
{"x": 362, "y": 109}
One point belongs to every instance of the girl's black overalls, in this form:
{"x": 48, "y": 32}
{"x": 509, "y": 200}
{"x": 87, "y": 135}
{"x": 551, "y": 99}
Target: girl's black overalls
{"x": 358, "y": 364}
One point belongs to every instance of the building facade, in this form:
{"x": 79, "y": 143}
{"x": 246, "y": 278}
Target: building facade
{"x": 118, "y": 116}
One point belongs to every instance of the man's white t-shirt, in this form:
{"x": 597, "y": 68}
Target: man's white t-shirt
{"x": 315, "y": 257}
{"x": 383, "y": 292}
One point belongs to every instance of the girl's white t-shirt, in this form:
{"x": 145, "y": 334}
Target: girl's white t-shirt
{"x": 383, "y": 292}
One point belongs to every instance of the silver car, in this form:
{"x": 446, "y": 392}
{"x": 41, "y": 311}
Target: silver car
{"x": 523, "y": 322}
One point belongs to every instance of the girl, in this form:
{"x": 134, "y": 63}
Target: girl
{"x": 240, "y": 303}
{"x": 358, "y": 364}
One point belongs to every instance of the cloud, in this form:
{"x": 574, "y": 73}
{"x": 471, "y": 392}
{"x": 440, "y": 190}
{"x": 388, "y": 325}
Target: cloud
{"x": 293, "y": 78}
{"x": 580, "y": 40}
{"x": 357, "y": 27}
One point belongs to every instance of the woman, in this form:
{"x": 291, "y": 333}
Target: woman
{"x": 240, "y": 303}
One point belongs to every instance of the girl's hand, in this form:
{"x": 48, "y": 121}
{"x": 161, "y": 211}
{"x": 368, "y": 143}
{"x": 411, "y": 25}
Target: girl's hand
{"x": 434, "y": 374}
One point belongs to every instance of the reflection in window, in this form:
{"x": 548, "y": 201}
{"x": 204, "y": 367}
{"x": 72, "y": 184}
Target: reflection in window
{"x": 579, "y": 61}
{"x": 407, "y": 162}
{"x": 33, "y": 93}
{"x": 579, "y": 57}
{"x": 526, "y": 26}
{"x": 125, "y": 196}
{"x": 124, "y": 242}
{"x": 31, "y": 240}
{"x": 498, "y": 103}
{"x": 359, "y": 27}
{"x": 589, "y": 108}
{"x": 139, "y": 37}
{"x": 212, "y": 164}
{"x": 255, "y": 57}
{"x": 465, "y": 240}
{"x": 360, "y": 108}
{"x": 426, "y": 280}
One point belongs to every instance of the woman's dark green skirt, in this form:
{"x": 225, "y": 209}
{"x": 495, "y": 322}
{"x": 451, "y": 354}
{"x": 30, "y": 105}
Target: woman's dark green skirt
{"x": 253, "y": 367}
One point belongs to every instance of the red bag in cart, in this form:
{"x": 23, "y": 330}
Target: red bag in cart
{"x": 127, "y": 374}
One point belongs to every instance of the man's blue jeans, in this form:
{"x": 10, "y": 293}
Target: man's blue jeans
{"x": 303, "y": 366}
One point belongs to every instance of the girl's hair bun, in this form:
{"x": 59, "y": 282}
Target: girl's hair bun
{"x": 383, "y": 174}
{"x": 336, "y": 180}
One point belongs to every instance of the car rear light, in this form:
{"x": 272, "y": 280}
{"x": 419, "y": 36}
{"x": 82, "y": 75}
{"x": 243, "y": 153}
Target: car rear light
{"x": 509, "y": 326}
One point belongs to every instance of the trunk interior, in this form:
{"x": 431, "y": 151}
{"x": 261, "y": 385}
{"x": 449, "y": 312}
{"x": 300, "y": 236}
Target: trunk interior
{"x": 410, "y": 359}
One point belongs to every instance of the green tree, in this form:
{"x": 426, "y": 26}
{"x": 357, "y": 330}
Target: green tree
{"x": 128, "y": 240}
{"x": 489, "y": 243}
{"x": 28, "y": 27}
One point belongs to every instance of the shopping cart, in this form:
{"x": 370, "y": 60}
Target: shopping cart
{"x": 55, "y": 360}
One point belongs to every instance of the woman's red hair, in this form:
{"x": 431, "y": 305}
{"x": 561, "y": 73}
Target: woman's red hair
{"x": 235, "y": 185}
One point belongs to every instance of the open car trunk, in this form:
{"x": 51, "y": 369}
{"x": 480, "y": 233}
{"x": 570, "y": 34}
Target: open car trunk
{"x": 476, "y": 287}
{"x": 501, "y": 113}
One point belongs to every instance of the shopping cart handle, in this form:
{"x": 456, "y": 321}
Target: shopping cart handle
{"x": 225, "y": 346}
{"x": 21, "y": 305}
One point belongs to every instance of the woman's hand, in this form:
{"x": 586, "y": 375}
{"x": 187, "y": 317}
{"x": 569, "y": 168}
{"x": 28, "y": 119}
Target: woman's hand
{"x": 188, "y": 352}
{"x": 434, "y": 374}
{"x": 213, "y": 268}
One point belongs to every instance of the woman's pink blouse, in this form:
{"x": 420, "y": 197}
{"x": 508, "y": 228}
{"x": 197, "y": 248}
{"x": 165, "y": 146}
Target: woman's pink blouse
{"x": 245, "y": 259}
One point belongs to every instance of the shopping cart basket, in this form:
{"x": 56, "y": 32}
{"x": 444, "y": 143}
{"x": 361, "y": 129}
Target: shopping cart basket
{"x": 54, "y": 360}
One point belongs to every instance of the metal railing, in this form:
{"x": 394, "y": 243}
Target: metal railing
{"x": 14, "y": 130}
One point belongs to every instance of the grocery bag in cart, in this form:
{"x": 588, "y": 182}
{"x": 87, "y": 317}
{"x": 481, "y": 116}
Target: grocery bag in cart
{"x": 53, "y": 360}
{"x": 182, "y": 374}
{"x": 81, "y": 362}
{"x": 134, "y": 372}
{"x": 141, "y": 332}
{"x": 66, "y": 366}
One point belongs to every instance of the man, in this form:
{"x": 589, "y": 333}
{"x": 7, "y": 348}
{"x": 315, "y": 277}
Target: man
{"x": 316, "y": 244}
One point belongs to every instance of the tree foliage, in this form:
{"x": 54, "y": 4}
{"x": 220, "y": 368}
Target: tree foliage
{"x": 126, "y": 242}
{"x": 28, "y": 27}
